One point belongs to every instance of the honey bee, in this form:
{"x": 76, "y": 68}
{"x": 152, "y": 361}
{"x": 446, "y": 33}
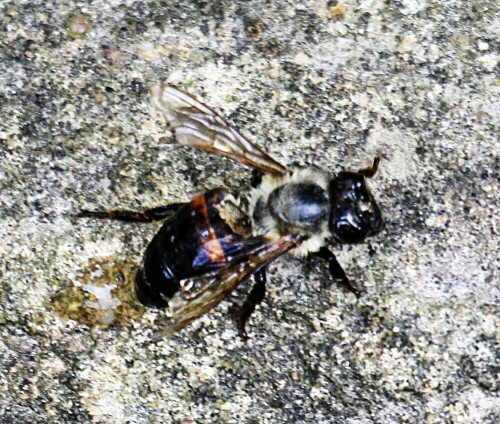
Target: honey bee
{"x": 208, "y": 246}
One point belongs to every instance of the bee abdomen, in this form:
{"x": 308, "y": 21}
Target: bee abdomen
{"x": 195, "y": 241}
{"x": 154, "y": 292}
{"x": 156, "y": 281}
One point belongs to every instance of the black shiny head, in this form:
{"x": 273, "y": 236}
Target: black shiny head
{"x": 354, "y": 214}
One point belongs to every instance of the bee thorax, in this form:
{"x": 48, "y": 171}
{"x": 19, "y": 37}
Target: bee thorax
{"x": 303, "y": 205}
{"x": 297, "y": 203}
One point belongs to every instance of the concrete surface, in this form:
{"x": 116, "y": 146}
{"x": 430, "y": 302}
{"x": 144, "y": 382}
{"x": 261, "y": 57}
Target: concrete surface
{"x": 314, "y": 82}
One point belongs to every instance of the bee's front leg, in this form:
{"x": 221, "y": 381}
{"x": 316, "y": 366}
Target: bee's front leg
{"x": 255, "y": 297}
{"x": 336, "y": 270}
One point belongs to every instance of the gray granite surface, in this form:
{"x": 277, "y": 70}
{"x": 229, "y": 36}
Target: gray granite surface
{"x": 313, "y": 82}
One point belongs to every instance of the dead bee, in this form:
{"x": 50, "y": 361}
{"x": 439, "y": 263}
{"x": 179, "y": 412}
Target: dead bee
{"x": 208, "y": 246}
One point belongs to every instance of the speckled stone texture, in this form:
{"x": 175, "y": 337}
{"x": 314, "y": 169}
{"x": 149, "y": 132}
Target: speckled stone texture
{"x": 313, "y": 82}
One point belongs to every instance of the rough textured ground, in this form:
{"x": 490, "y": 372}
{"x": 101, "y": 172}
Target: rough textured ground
{"x": 314, "y": 82}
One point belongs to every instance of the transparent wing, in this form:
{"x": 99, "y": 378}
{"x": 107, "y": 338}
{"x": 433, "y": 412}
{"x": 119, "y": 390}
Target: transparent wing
{"x": 199, "y": 126}
{"x": 213, "y": 289}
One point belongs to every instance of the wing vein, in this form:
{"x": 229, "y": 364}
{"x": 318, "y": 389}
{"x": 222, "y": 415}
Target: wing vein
{"x": 196, "y": 125}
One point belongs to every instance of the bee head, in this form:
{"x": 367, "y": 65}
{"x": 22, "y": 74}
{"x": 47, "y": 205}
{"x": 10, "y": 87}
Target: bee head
{"x": 354, "y": 214}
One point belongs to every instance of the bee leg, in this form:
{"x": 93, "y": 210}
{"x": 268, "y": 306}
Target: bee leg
{"x": 372, "y": 170}
{"x": 336, "y": 270}
{"x": 148, "y": 215}
{"x": 256, "y": 178}
{"x": 255, "y": 297}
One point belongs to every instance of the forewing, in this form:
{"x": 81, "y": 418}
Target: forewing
{"x": 213, "y": 289}
{"x": 197, "y": 125}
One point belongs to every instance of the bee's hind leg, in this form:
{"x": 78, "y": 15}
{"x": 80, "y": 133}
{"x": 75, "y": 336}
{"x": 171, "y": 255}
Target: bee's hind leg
{"x": 336, "y": 270}
{"x": 148, "y": 215}
{"x": 255, "y": 297}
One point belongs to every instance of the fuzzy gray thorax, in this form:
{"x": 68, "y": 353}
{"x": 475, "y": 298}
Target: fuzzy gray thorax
{"x": 296, "y": 203}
